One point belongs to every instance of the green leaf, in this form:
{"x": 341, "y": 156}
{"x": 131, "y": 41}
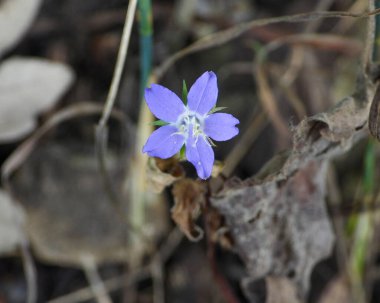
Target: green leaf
{"x": 184, "y": 92}
{"x": 159, "y": 123}
{"x": 216, "y": 109}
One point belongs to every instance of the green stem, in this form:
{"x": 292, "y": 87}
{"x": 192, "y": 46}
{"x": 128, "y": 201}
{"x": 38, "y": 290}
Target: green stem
{"x": 146, "y": 41}
{"x": 139, "y": 200}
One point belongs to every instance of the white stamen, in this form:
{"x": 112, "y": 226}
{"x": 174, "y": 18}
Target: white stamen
{"x": 187, "y": 119}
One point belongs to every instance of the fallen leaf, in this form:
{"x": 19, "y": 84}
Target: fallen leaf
{"x": 280, "y": 290}
{"x": 337, "y": 291}
{"x": 11, "y": 224}
{"x": 55, "y": 177}
{"x": 28, "y": 86}
{"x": 15, "y": 19}
{"x": 188, "y": 197}
{"x": 272, "y": 289}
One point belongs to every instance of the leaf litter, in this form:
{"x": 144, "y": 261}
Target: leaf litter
{"x": 277, "y": 218}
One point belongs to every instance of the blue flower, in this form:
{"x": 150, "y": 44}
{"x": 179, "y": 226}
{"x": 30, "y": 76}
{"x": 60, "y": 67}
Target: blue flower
{"x": 192, "y": 125}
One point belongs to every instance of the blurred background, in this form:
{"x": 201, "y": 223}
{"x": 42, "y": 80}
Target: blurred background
{"x": 69, "y": 231}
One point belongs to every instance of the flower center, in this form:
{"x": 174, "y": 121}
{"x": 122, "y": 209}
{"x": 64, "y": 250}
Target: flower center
{"x": 188, "y": 119}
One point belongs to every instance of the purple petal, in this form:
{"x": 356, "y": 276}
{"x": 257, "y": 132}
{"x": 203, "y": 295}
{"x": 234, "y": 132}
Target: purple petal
{"x": 221, "y": 127}
{"x": 163, "y": 103}
{"x": 203, "y": 94}
{"x": 164, "y": 142}
{"x": 201, "y": 155}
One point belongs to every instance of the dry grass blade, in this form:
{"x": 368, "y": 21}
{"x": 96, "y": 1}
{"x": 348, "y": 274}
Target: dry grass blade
{"x": 96, "y": 283}
{"x": 86, "y": 294}
{"x": 30, "y": 272}
{"x": 269, "y": 103}
{"x": 165, "y": 251}
{"x": 345, "y": 24}
{"x": 348, "y": 46}
{"x": 297, "y": 54}
{"x": 244, "y": 144}
{"x": 227, "y": 35}
{"x": 294, "y": 101}
{"x": 122, "y": 55}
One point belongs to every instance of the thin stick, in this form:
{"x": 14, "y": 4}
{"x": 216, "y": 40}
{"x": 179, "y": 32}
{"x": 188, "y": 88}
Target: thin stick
{"x": 120, "y": 61}
{"x": 30, "y": 273}
{"x": 166, "y": 250}
{"x": 97, "y": 286}
{"x": 269, "y": 102}
{"x": 112, "y": 284}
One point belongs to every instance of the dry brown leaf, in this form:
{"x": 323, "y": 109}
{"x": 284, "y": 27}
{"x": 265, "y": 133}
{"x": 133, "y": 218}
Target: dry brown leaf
{"x": 15, "y": 18}
{"x": 163, "y": 173}
{"x": 69, "y": 214}
{"x": 11, "y": 224}
{"x": 188, "y": 196}
{"x": 337, "y": 291}
{"x": 27, "y": 87}
{"x": 280, "y": 290}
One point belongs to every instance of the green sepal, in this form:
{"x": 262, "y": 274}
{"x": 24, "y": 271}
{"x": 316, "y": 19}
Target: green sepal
{"x": 260, "y": 50}
{"x": 159, "y": 123}
{"x": 182, "y": 153}
{"x": 184, "y": 92}
{"x": 216, "y": 109}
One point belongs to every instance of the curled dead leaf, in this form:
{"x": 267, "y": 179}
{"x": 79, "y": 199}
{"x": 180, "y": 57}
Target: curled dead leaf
{"x": 162, "y": 173}
{"x": 217, "y": 229}
{"x": 188, "y": 197}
